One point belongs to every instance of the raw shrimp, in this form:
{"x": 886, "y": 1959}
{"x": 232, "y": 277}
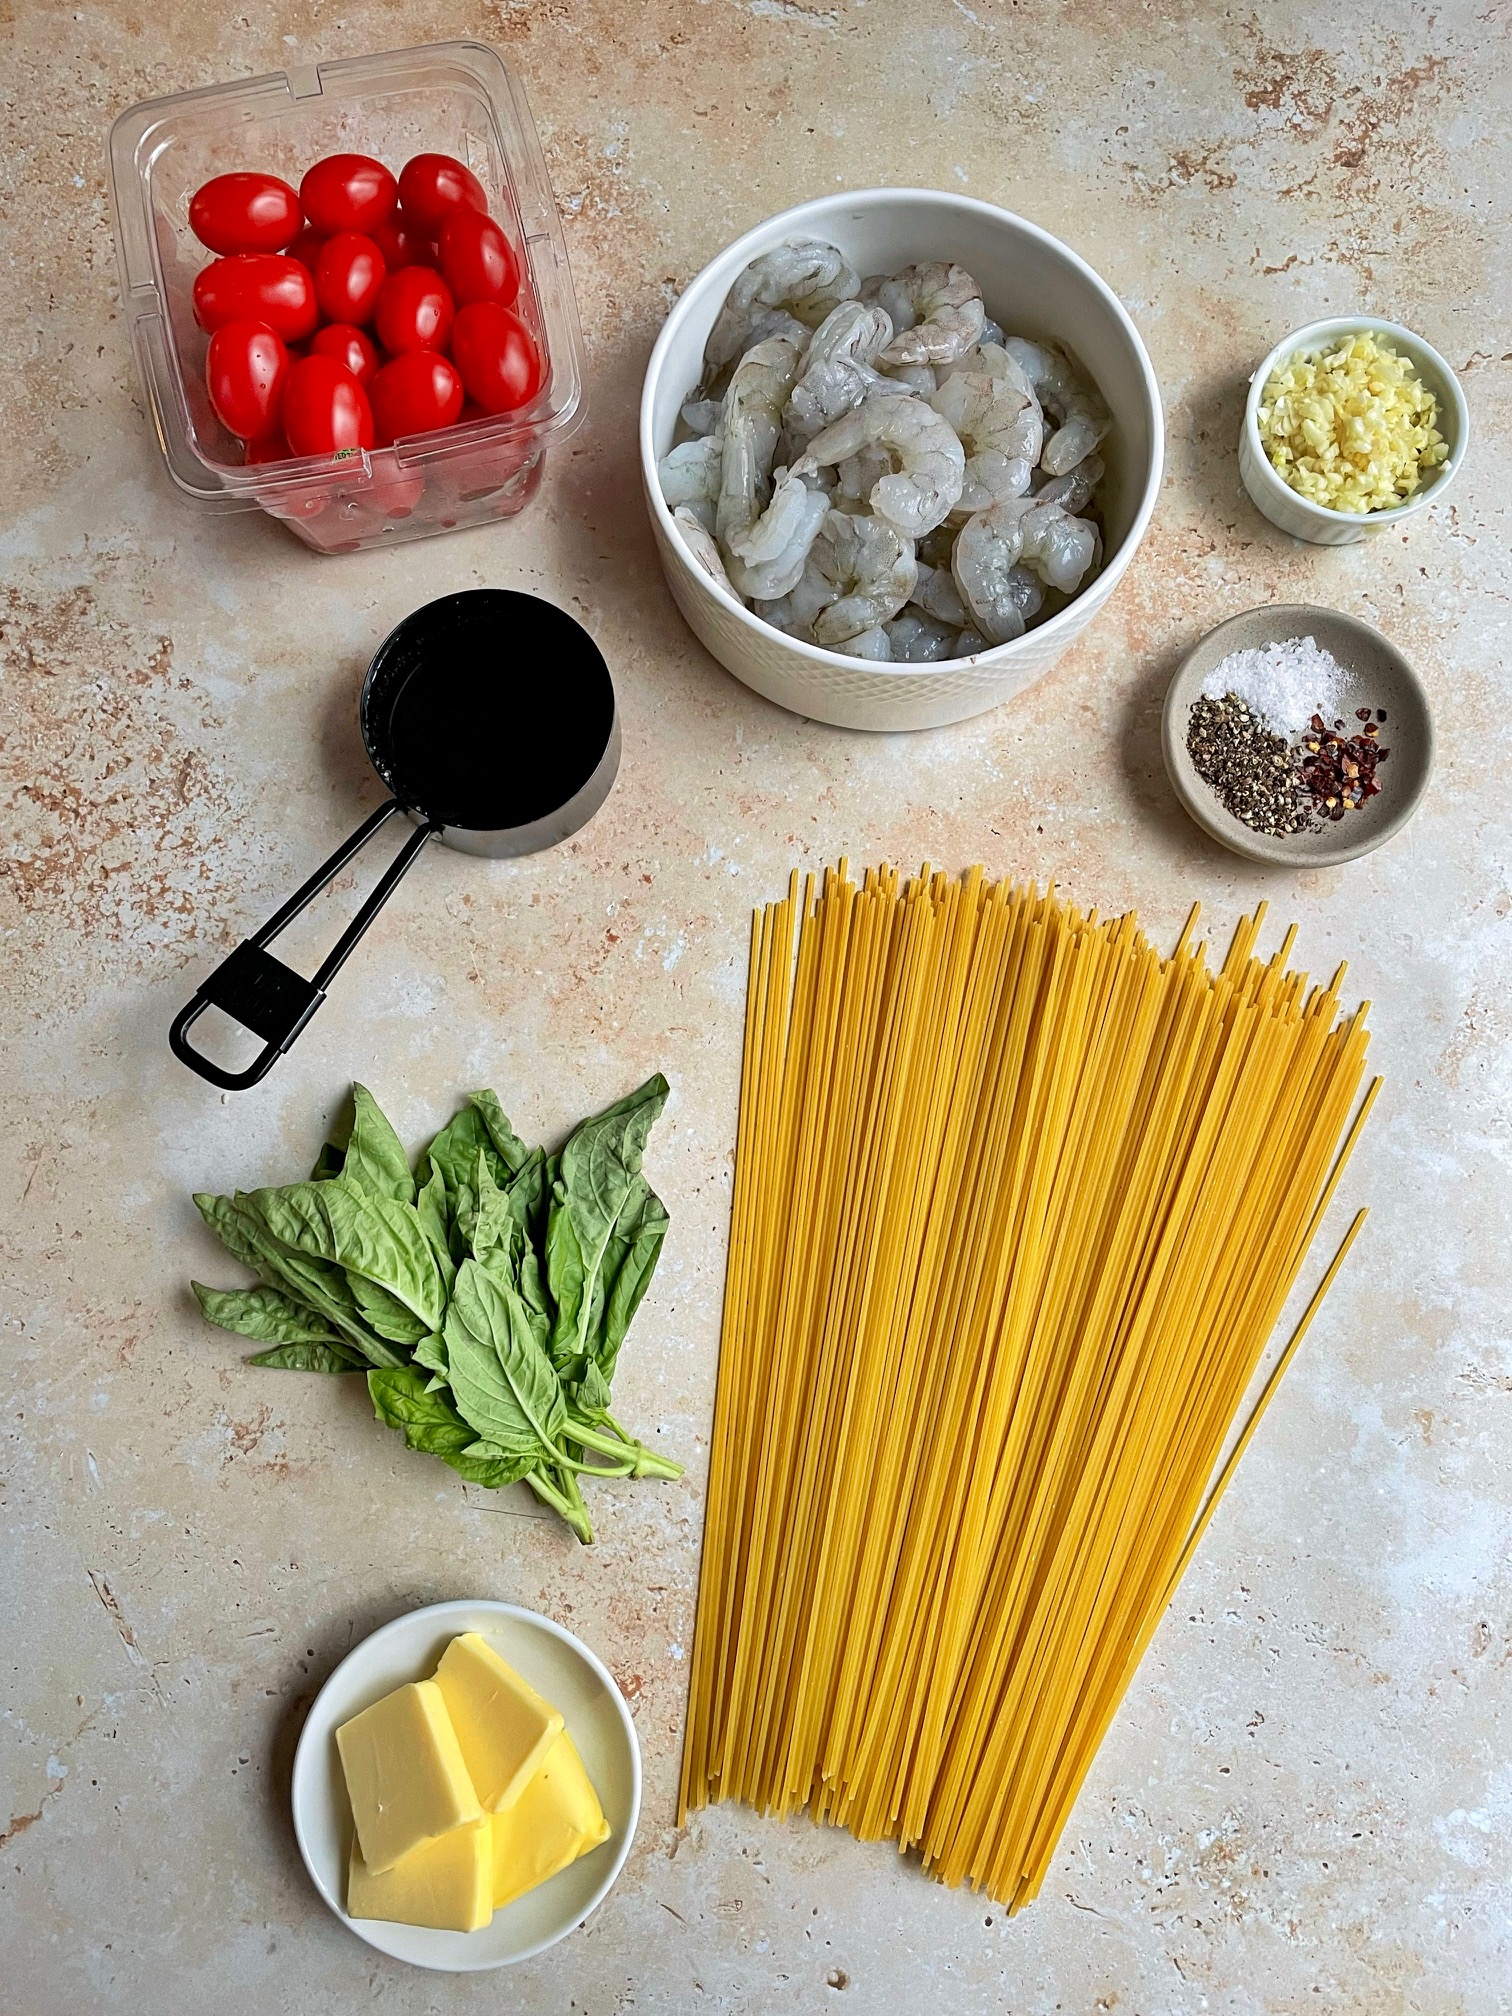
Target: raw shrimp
{"x": 1073, "y": 491}
{"x": 920, "y": 378}
{"x": 871, "y": 568}
{"x": 873, "y": 643}
{"x": 944, "y": 313}
{"x": 968, "y": 642}
{"x": 795, "y": 611}
{"x": 767, "y": 559}
{"x": 999, "y": 427}
{"x": 1001, "y": 551}
{"x": 936, "y": 594}
{"x": 1083, "y": 418}
{"x": 690, "y": 474}
{"x": 805, "y": 278}
{"x": 836, "y": 370}
{"x": 702, "y": 416}
{"x": 752, "y": 419}
{"x": 931, "y": 461}
{"x": 919, "y": 640}
{"x": 701, "y": 543}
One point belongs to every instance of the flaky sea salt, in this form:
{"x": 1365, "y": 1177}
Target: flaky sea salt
{"x": 1285, "y": 683}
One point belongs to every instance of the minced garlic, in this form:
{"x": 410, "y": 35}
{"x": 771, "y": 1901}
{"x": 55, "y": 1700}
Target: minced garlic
{"x": 1350, "y": 427}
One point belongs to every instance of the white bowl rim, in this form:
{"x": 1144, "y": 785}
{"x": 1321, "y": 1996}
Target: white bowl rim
{"x": 305, "y": 1761}
{"x": 1319, "y": 332}
{"x": 751, "y": 242}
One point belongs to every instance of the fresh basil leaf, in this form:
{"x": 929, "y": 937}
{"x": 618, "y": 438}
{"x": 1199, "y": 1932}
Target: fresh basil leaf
{"x": 511, "y": 1150}
{"x": 375, "y": 1157}
{"x": 327, "y": 1163}
{"x": 379, "y": 1238}
{"x": 431, "y": 1353}
{"x": 598, "y": 1169}
{"x": 495, "y": 1222}
{"x": 314, "y": 1286}
{"x": 266, "y": 1315}
{"x": 454, "y": 1152}
{"x": 590, "y": 1396}
{"x": 430, "y": 1207}
{"x": 311, "y": 1358}
{"x": 430, "y": 1423}
{"x": 385, "y": 1313}
{"x": 502, "y": 1380}
{"x": 629, "y": 1262}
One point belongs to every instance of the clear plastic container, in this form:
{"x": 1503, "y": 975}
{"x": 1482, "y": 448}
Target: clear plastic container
{"x": 458, "y": 98}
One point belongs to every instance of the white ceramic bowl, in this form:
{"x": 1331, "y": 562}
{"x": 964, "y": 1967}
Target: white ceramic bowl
{"x": 557, "y": 1665}
{"x": 1294, "y": 513}
{"x": 1034, "y": 286}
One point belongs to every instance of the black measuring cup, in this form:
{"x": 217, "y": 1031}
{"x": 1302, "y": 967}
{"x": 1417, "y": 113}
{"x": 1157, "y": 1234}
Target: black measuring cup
{"x": 490, "y": 716}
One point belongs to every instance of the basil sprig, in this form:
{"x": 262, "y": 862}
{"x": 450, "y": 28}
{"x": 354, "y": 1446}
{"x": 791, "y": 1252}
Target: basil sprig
{"x": 485, "y": 1294}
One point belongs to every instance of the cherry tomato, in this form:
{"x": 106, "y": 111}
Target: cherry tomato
{"x": 246, "y": 371}
{"x": 256, "y": 287}
{"x": 271, "y": 448}
{"x": 306, "y": 247}
{"x": 244, "y": 213}
{"x": 394, "y": 490}
{"x": 348, "y": 192}
{"x": 414, "y": 394}
{"x": 325, "y": 410}
{"x": 431, "y": 186}
{"x": 499, "y": 359}
{"x": 350, "y": 346}
{"x": 477, "y": 260}
{"x": 414, "y": 311}
{"x": 403, "y": 243}
{"x": 348, "y": 275}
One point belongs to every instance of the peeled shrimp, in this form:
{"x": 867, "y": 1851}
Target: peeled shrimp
{"x": 920, "y": 378}
{"x": 767, "y": 559}
{"x": 931, "y": 463}
{"x": 805, "y": 278}
{"x": 999, "y": 427}
{"x": 1082, "y": 416}
{"x": 870, "y": 566}
{"x": 917, "y": 639}
{"x": 752, "y": 419}
{"x": 944, "y": 313}
{"x": 836, "y": 369}
{"x": 1073, "y": 491}
{"x": 936, "y": 594}
{"x": 873, "y": 643}
{"x": 701, "y": 543}
{"x": 690, "y": 474}
{"x": 1001, "y": 552}
{"x": 702, "y": 416}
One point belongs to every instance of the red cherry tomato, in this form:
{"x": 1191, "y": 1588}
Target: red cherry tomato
{"x": 499, "y": 359}
{"x": 325, "y": 410}
{"x": 306, "y": 247}
{"x": 350, "y": 346}
{"x": 244, "y": 213}
{"x": 348, "y": 275}
{"x": 414, "y": 311}
{"x": 477, "y": 260}
{"x": 348, "y": 192}
{"x": 431, "y": 186}
{"x": 414, "y": 394}
{"x": 246, "y": 371}
{"x": 403, "y": 243}
{"x": 256, "y": 287}
{"x": 271, "y": 448}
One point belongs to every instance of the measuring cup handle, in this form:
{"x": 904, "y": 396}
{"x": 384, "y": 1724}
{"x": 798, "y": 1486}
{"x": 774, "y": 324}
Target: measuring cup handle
{"x": 268, "y": 997}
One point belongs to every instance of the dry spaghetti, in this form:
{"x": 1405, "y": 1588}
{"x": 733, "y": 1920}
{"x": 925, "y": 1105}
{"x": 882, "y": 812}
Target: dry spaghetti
{"x": 1018, "y": 1203}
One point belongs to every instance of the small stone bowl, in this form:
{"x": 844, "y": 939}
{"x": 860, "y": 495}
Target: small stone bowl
{"x": 1378, "y": 676}
{"x": 1288, "y": 508}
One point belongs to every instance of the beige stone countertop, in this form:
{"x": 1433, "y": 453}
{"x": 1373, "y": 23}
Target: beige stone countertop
{"x": 1305, "y": 1802}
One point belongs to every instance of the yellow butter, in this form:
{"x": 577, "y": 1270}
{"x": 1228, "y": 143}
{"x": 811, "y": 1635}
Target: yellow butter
{"x": 447, "y": 1883}
{"x": 405, "y": 1773}
{"x": 556, "y": 1819}
{"x": 503, "y": 1726}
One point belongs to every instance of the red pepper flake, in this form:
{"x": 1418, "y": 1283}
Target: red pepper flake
{"x": 1339, "y": 771}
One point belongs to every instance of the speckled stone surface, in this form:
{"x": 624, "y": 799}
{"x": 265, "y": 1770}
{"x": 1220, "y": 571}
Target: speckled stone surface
{"x": 1305, "y": 1803}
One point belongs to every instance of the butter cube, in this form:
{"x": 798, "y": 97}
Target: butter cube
{"x": 404, "y": 1772}
{"x": 447, "y": 1883}
{"x": 556, "y": 1819}
{"x": 503, "y": 1726}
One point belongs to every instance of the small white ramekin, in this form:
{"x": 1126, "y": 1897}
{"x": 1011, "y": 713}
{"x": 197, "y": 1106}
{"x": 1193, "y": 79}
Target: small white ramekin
{"x": 1288, "y": 508}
